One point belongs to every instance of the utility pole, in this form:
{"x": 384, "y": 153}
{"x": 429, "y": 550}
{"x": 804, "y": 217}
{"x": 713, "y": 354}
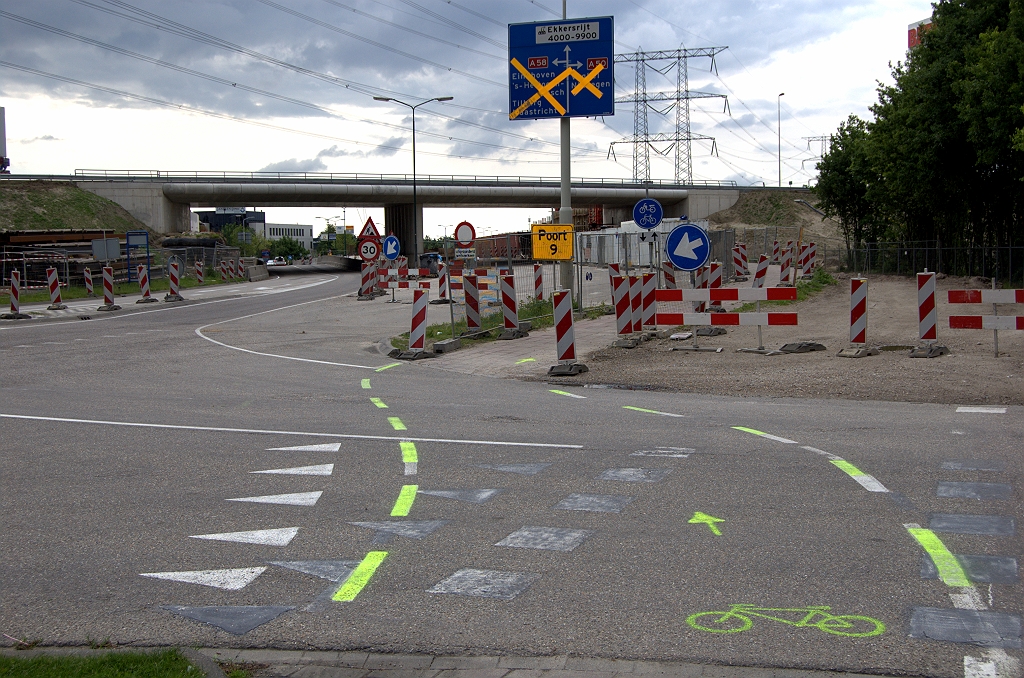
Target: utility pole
{"x": 565, "y": 278}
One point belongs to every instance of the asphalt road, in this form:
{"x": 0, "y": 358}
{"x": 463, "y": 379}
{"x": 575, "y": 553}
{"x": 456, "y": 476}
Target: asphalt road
{"x": 147, "y": 423}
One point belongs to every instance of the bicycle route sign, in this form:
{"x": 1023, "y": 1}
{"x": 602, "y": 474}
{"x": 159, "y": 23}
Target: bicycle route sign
{"x": 561, "y": 69}
{"x": 688, "y": 247}
{"x": 647, "y": 213}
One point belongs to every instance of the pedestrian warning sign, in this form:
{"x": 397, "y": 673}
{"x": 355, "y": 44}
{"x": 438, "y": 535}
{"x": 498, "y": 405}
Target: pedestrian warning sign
{"x": 552, "y": 242}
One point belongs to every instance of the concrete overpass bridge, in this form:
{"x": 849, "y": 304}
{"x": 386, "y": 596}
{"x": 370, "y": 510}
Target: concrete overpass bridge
{"x": 162, "y": 200}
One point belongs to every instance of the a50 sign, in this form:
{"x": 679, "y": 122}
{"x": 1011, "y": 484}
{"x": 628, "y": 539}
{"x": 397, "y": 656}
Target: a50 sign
{"x": 552, "y": 242}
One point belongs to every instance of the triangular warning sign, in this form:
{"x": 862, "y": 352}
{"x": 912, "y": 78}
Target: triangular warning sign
{"x": 369, "y": 230}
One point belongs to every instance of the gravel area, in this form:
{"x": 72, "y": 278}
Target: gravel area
{"x": 971, "y": 374}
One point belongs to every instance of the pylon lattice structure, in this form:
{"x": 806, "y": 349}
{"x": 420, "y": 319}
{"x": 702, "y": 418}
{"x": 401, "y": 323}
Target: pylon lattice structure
{"x": 662, "y": 103}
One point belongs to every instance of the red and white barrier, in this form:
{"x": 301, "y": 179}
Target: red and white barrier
{"x": 87, "y": 277}
{"x": 761, "y": 274}
{"x": 786, "y": 266}
{"x": 858, "y": 310}
{"x": 613, "y": 271}
{"x": 15, "y": 313}
{"x": 728, "y": 294}
{"x": 508, "y": 302}
{"x": 668, "y": 271}
{"x": 54, "y": 284}
{"x": 442, "y": 283}
{"x": 538, "y": 281}
{"x": 144, "y": 285}
{"x": 369, "y": 273}
{"x": 701, "y": 280}
{"x": 775, "y": 252}
{"x": 743, "y": 255}
{"x": 418, "y": 333}
{"x": 648, "y": 304}
{"x": 233, "y": 268}
{"x": 200, "y": 271}
{"x": 986, "y": 296}
{"x": 108, "y": 290}
{"x": 738, "y": 267}
{"x": 174, "y": 278}
{"x": 992, "y": 322}
{"x": 727, "y": 319}
{"x": 926, "y": 306}
{"x": 405, "y": 285}
{"x": 623, "y": 314}
{"x": 636, "y": 291}
{"x": 715, "y": 282}
{"x": 565, "y": 337}
{"x": 472, "y": 295}
{"x": 223, "y": 270}
{"x": 812, "y": 254}
{"x": 986, "y": 322}
{"x": 808, "y": 253}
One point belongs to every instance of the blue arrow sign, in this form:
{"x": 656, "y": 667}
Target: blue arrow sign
{"x": 391, "y": 248}
{"x": 648, "y": 213}
{"x": 688, "y": 247}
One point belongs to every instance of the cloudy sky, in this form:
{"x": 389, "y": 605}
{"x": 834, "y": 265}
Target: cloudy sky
{"x": 288, "y": 85}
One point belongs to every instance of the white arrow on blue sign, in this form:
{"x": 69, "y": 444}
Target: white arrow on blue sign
{"x": 391, "y": 248}
{"x": 647, "y": 213}
{"x": 688, "y": 247}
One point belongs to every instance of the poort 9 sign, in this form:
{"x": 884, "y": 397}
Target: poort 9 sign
{"x": 552, "y": 242}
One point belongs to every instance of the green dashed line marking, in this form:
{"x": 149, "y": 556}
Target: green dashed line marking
{"x": 526, "y": 360}
{"x": 849, "y": 468}
{"x": 566, "y": 393}
{"x": 397, "y": 424}
{"x": 409, "y": 455}
{"x": 360, "y": 577}
{"x": 387, "y": 367}
{"x": 366, "y": 383}
{"x": 750, "y": 430}
{"x": 950, "y": 571}
{"x": 640, "y": 409}
{"x": 379, "y": 403}
{"x": 405, "y": 499}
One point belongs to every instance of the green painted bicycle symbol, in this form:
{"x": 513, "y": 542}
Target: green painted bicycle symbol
{"x": 739, "y": 618}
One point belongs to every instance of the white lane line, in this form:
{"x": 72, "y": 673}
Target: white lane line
{"x": 257, "y": 431}
{"x": 982, "y": 410}
{"x": 318, "y": 470}
{"x": 326, "y": 447}
{"x": 292, "y": 499}
{"x": 199, "y": 332}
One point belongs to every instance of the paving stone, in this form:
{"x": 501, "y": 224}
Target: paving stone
{"x": 987, "y": 491}
{"x": 464, "y": 663}
{"x": 473, "y": 673}
{"x": 326, "y": 672}
{"x": 984, "y": 628}
{"x": 398, "y": 661}
{"x": 486, "y": 583}
{"x": 588, "y": 664}
{"x": 1000, "y": 526}
{"x": 635, "y": 475}
{"x": 546, "y": 538}
{"x": 980, "y": 569}
{"x": 603, "y": 503}
{"x": 532, "y": 662}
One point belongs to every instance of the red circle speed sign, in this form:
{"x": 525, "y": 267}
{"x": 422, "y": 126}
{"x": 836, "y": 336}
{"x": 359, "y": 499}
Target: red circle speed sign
{"x": 369, "y": 250}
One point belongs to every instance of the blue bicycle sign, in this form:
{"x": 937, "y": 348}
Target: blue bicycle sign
{"x": 647, "y": 213}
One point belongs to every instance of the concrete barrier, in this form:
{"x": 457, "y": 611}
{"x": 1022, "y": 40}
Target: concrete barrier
{"x": 257, "y": 272}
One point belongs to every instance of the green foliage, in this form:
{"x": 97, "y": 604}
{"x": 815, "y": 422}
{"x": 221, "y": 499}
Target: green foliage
{"x": 288, "y": 247}
{"x": 805, "y": 289}
{"x": 39, "y": 205}
{"x": 168, "y": 664}
{"x": 943, "y": 157}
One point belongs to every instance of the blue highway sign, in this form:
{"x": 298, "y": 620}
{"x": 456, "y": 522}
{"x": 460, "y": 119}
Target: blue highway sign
{"x": 688, "y": 247}
{"x": 391, "y": 248}
{"x": 648, "y": 213}
{"x": 561, "y": 69}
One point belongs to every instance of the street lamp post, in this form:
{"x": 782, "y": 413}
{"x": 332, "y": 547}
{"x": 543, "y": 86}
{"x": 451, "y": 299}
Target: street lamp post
{"x": 779, "y": 107}
{"x": 413, "y": 107}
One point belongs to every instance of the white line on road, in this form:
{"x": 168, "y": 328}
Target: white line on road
{"x": 257, "y": 431}
{"x": 982, "y": 410}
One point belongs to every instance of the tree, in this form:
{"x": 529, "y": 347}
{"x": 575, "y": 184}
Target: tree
{"x": 844, "y": 179}
{"x": 288, "y": 247}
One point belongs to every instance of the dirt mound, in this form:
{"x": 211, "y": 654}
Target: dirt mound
{"x": 45, "y": 205}
{"x": 779, "y": 211}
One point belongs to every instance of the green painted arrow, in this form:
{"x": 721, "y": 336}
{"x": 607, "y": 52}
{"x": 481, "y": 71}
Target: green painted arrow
{"x": 699, "y": 518}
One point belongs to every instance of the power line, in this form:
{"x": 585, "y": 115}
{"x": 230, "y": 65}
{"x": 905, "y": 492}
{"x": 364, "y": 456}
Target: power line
{"x": 476, "y": 14}
{"x": 453, "y": 24}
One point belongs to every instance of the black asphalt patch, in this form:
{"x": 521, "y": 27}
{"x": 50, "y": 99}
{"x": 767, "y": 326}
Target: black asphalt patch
{"x": 974, "y": 465}
{"x": 997, "y": 526}
{"x": 238, "y": 619}
{"x": 979, "y": 569}
{"x": 987, "y": 629}
{"x": 988, "y": 491}
{"x": 486, "y": 583}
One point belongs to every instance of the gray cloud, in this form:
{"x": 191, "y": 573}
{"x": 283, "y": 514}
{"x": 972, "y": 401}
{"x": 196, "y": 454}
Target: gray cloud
{"x": 386, "y": 149}
{"x": 45, "y": 137}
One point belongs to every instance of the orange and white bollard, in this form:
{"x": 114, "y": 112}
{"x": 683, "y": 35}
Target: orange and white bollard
{"x": 54, "y": 284}
{"x": 108, "y": 291}
{"x": 144, "y": 286}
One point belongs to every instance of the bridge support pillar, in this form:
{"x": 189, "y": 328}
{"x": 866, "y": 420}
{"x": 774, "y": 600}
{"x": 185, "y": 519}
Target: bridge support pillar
{"x": 406, "y": 224}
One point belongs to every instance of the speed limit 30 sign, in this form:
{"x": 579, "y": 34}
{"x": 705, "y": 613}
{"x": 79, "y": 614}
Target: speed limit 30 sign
{"x": 369, "y": 249}
{"x": 552, "y": 242}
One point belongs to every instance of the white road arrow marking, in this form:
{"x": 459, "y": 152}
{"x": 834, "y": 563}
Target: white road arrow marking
{"x": 293, "y": 499}
{"x": 230, "y": 580}
{"x": 281, "y": 536}
{"x": 318, "y": 470}
{"x": 325, "y": 447}
{"x": 686, "y": 246}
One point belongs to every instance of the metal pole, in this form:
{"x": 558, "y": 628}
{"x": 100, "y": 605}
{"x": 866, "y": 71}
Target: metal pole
{"x": 995, "y": 311}
{"x": 779, "y": 105}
{"x": 565, "y": 208}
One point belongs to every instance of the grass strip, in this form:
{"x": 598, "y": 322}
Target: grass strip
{"x": 805, "y": 289}
{"x": 167, "y": 664}
{"x": 127, "y": 289}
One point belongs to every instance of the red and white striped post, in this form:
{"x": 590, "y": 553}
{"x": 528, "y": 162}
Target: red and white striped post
{"x": 701, "y": 279}
{"x": 812, "y": 255}
{"x": 613, "y": 270}
{"x": 668, "y": 270}
{"x": 775, "y": 252}
{"x": 715, "y": 282}
{"x": 369, "y": 272}
{"x": 743, "y": 255}
{"x": 108, "y": 290}
{"x": 786, "y": 266}
{"x": 200, "y": 271}
{"x": 442, "y": 284}
{"x": 233, "y": 268}
{"x": 623, "y": 311}
{"x": 636, "y": 290}
{"x": 565, "y": 336}
{"x": 418, "y": 332}
{"x": 761, "y": 274}
{"x": 174, "y": 278}
{"x": 15, "y": 313}
{"x": 472, "y": 294}
{"x": 649, "y": 307}
{"x": 538, "y": 281}
{"x": 223, "y": 270}
{"x": 858, "y": 310}
{"x": 805, "y": 260}
{"x": 509, "y": 309}
{"x": 87, "y": 277}
{"x": 144, "y": 285}
{"x": 54, "y": 284}
{"x": 739, "y": 270}
{"x": 926, "y": 306}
